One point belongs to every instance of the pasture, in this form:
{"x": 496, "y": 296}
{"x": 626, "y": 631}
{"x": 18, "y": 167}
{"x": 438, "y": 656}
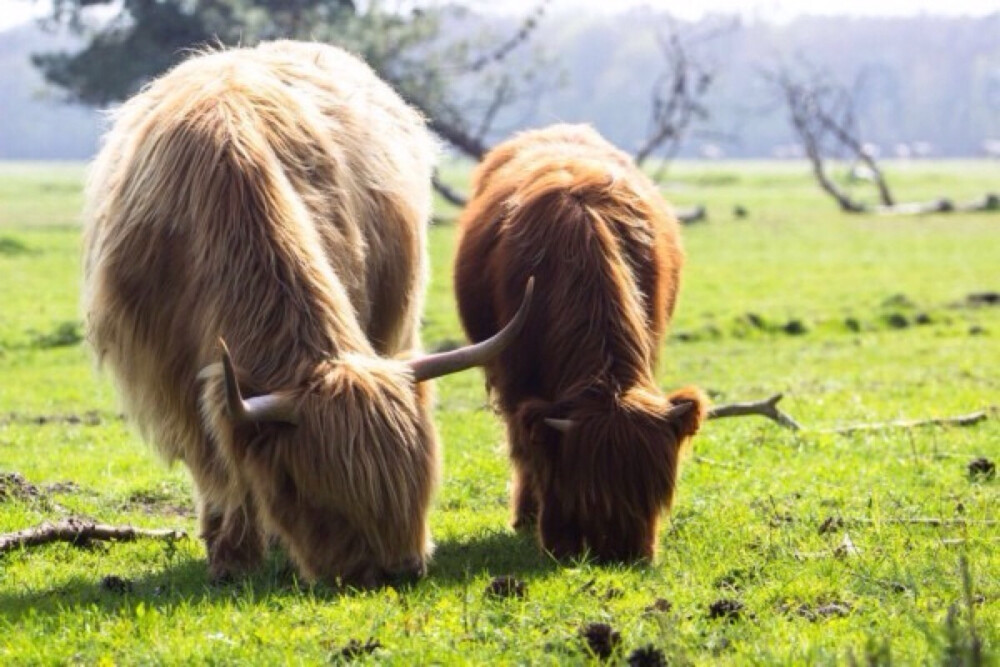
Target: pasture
{"x": 783, "y": 547}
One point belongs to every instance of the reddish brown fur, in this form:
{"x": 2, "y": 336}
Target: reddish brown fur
{"x": 276, "y": 197}
{"x": 567, "y": 207}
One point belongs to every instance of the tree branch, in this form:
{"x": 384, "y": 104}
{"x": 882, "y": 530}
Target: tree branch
{"x": 450, "y": 194}
{"x": 80, "y": 532}
{"x": 766, "y": 408}
{"x": 959, "y": 420}
{"x": 769, "y": 408}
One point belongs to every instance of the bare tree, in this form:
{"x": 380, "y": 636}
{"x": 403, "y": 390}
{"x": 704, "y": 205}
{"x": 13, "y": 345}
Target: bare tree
{"x": 677, "y": 100}
{"x": 822, "y": 116}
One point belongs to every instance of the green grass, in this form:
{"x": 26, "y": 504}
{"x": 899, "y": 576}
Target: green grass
{"x": 884, "y": 332}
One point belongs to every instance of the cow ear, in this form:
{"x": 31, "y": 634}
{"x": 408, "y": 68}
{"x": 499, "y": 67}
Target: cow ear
{"x": 686, "y": 411}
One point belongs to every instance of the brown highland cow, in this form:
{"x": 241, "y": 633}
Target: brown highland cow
{"x": 593, "y": 441}
{"x": 275, "y": 197}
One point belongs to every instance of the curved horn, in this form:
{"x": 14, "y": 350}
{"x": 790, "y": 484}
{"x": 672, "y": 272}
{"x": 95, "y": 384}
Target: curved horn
{"x": 266, "y": 408}
{"x": 436, "y": 365}
{"x": 561, "y": 425}
{"x": 679, "y": 410}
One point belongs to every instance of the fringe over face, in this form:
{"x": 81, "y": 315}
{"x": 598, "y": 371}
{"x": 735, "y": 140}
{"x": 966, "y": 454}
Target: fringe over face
{"x": 277, "y": 197}
{"x": 594, "y": 443}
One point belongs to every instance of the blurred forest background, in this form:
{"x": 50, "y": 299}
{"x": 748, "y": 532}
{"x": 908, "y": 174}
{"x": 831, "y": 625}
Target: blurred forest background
{"x": 922, "y": 86}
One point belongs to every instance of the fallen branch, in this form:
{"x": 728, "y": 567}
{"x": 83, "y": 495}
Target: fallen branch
{"x": 80, "y": 532}
{"x": 713, "y": 462}
{"x": 988, "y": 202}
{"x": 917, "y": 208}
{"x": 766, "y": 408}
{"x": 959, "y": 420}
{"x": 769, "y": 408}
{"x": 925, "y": 521}
{"x": 450, "y": 194}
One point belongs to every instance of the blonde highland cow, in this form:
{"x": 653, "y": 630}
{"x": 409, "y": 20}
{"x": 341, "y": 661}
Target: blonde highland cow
{"x": 275, "y": 198}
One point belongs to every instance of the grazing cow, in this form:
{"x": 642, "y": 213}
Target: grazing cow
{"x": 594, "y": 443}
{"x": 275, "y": 197}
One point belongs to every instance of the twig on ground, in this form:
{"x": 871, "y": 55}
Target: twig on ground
{"x": 769, "y": 408}
{"x": 766, "y": 408}
{"x": 713, "y": 462}
{"x": 923, "y": 521}
{"x": 81, "y": 532}
{"x": 958, "y": 420}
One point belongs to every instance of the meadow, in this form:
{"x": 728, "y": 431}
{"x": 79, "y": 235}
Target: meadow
{"x": 783, "y": 547}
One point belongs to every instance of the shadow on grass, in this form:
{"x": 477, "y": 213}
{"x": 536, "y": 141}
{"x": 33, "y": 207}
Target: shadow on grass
{"x": 185, "y": 581}
{"x": 494, "y": 552}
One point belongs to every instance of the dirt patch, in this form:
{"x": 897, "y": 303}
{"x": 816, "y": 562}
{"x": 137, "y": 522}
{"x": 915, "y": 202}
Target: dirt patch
{"x": 67, "y": 487}
{"x": 978, "y": 299}
{"x": 830, "y": 524}
{"x": 355, "y": 649}
{"x": 981, "y": 469}
{"x": 601, "y": 639}
{"x": 897, "y": 321}
{"x": 659, "y": 606}
{"x": 13, "y": 486}
{"x": 114, "y": 584}
{"x": 158, "y": 502}
{"x": 647, "y": 656}
{"x": 817, "y": 612}
{"x": 506, "y": 586}
{"x": 724, "y": 608}
{"x": 795, "y": 328}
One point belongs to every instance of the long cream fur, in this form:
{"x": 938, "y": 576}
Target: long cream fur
{"x": 276, "y": 197}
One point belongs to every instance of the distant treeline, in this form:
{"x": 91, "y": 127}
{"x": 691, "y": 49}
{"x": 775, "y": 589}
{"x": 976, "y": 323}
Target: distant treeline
{"x": 923, "y": 85}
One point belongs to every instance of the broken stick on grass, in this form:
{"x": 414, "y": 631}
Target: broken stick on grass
{"x": 766, "y": 408}
{"x": 769, "y": 408}
{"x": 959, "y": 420}
{"x": 81, "y": 532}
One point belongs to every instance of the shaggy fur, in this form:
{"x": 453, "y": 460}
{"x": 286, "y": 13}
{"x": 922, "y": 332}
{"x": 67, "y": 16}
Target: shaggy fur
{"x": 276, "y": 197}
{"x": 567, "y": 207}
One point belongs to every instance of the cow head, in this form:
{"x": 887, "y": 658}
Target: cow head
{"x": 605, "y": 466}
{"x": 342, "y": 467}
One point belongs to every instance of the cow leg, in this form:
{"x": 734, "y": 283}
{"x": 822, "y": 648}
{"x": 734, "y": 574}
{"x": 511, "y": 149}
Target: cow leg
{"x": 524, "y": 499}
{"x": 524, "y": 490}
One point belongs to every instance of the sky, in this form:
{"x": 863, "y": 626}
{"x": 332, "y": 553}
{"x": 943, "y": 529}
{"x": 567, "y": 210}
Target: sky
{"x": 13, "y": 12}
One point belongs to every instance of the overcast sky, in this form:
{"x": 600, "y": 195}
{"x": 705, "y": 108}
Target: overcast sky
{"x": 13, "y": 12}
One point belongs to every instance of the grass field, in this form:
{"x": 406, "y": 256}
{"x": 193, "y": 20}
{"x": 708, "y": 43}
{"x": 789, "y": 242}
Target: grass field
{"x": 855, "y": 319}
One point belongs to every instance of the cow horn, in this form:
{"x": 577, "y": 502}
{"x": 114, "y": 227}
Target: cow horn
{"x": 437, "y": 365}
{"x": 561, "y": 425}
{"x": 679, "y": 410}
{"x": 266, "y": 408}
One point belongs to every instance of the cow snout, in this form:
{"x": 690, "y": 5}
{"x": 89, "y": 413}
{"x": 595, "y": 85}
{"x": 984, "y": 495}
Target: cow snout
{"x": 410, "y": 571}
